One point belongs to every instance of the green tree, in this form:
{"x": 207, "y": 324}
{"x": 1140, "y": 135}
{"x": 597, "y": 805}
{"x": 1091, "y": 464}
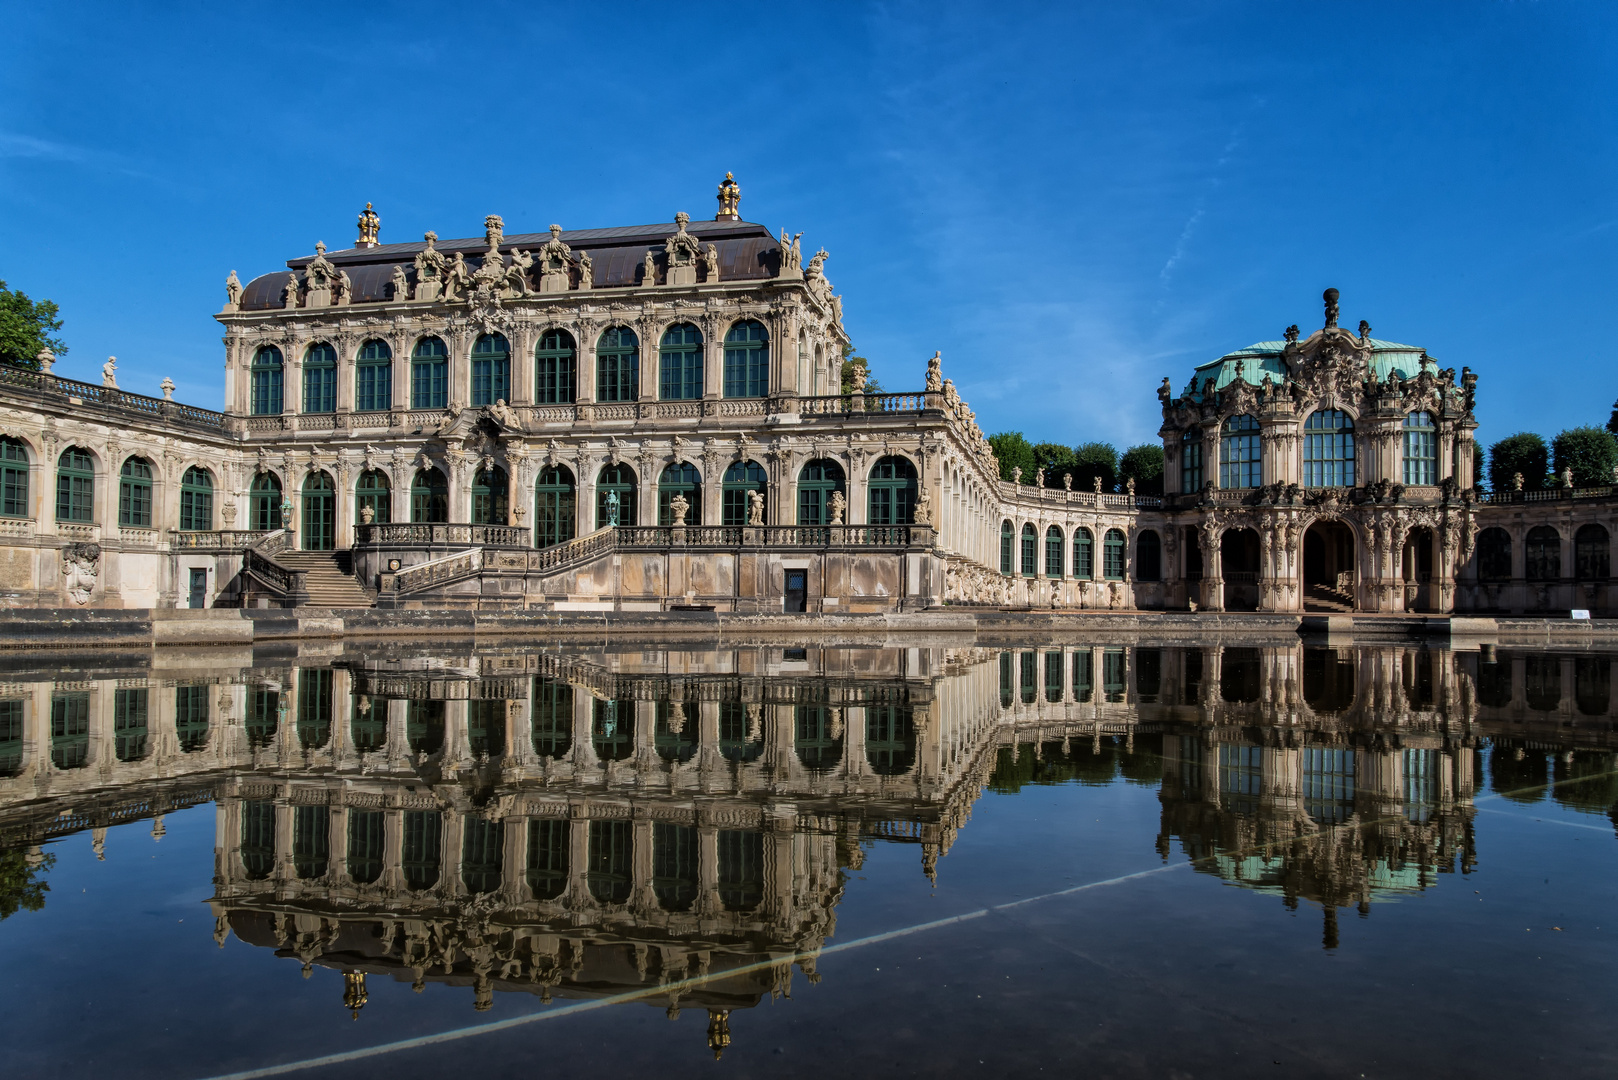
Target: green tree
{"x": 1590, "y": 452}
{"x": 1013, "y": 452}
{"x": 1055, "y": 459}
{"x": 1093, "y": 459}
{"x": 1524, "y": 453}
{"x": 1144, "y": 465}
{"x": 851, "y": 360}
{"x": 22, "y": 885}
{"x": 1612, "y": 421}
{"x": 27, "y": 327}
{"x": 1479, "y": 476}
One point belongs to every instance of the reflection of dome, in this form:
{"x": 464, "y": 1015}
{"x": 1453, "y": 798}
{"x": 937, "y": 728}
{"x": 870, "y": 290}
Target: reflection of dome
{"x": 1264, "y": 358}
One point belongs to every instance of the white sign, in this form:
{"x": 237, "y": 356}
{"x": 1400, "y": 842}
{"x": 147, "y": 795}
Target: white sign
{"x": 1580, "y": 613}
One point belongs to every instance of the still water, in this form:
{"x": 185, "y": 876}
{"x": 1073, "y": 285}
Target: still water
{"x": 1211, "y": 861}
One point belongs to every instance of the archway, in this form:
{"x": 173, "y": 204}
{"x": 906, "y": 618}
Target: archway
{"x": 1328, "y": 567}
{"x": 1239, "y": 567}
{"x": 1416, "y": 568}
{"x": 319, "y": 512}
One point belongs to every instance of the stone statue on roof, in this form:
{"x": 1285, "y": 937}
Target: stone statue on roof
{"x": 456, "y": 278}
{"x": 233, "y": 289}
{"x": 401, "y": 284}
{"x": 429, "y": 260}
{"x": 586, "y": 270}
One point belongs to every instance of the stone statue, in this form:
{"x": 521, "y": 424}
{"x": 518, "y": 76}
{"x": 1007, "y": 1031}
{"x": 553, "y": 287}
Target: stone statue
{"x": 167, "y": 386}
{"x": 612, "y": 508}
{"x": 791, "y": 253}
{"x": 1097, "y": 480}
{"x": 678, "y": 508}
{"x": 401, "y": 284}
{"x": 1330, "y": 296}
{"x": 1016, "y": 474}
{"x": 837, "y": 505}
{"x": 451, "y": 414}
{"x": 367, "y": 514}
{"x": 1365, "y": 330}
{"x": 923, "y": 514}
{"x": 1067, "y": 481}
{"x": 935, "y": 373}
{"x": 1039, "y": 478}
{"x": 370, "y": 225}
{"x": 344, "y": 287}
{"x": 1165, "y": 392}
{"x": 502, "y": 414}
{"x": 429, "y": 260}
{"x": 586, "y": 270}
{"x": 107, "y": 369}
{"x": 456, "y": 278}
{"x": 80, "y": 566}
{"x": 1567, "y": 477}
{"x": 289, "y": 292}
{"x": 858, "y": 379}
{"x": 517, "y": 272}
{"x": 1129, "y": 486}
{"x": 648, "y": 275}
{"x": 233, "y": 289}
{"x": 710, "y": 264}
{"x": 755, "y": 508}
{"x": 1292, "y": 334}
{"x": 1516, "y": 481}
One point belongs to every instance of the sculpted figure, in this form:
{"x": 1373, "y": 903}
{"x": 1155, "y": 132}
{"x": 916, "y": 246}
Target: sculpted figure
{"x": 710, "y": 263}
{"x": 924, "y": 509}
{"x": 451, "y": 415}
{"x": 429, "y": 260}
{"x": 837, "y": 505}
{"x": 1039, "y": 478}
{"x": 1165, "y": 392}
{"x": 401, "y": 284}
{"x": 649, "y": 271}
{"x": 79, "y": 570}
{"x": 586, "y": 270}
{"x": 1097, "y": 480}
{"x": 678, "y": 508}
{"x": 289, "y": 292}
{"x": 935, "y": 373}
{"x": 517, "y": 272}
{"x": 1567, "y": 477}
{"x": 345, "y": 287}
{"x": 502, "y": 414}
{"x": 755, "y": 508}
{"x": 233, "y": 289}
{"x": 1067, "y": 481}
{"x": 107, "y": 369}
{"x": 456, "y": 278}
{"x": 1516, "y": 481}
{"x": 1130, "y": 486}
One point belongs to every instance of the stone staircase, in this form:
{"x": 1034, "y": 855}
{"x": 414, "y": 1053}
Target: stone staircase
{"x": 1326, "y": 598}
{"x": 329, "y": 578}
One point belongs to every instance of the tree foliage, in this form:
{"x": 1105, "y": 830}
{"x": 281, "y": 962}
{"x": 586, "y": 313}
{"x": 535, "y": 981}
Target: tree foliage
{"x": 1093, "y": 459}
{"x": 1591, "y": 453}
{"x": 26, "y": 327}
{"x": 852, "y": 360}
{"x": 1055, "y": 459}
{"x": 1524, "y": 453}
{"x": 1013, "y": 451}
{"x": 22, "y": 884}
{"x": 1144, "y": 465}
{"x": 1479, "y": 476}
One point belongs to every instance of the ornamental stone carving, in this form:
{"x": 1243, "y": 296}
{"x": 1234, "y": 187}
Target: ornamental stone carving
{"x": 81, "y": 564}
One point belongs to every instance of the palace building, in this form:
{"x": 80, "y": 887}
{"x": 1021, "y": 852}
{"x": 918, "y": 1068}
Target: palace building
{"x": 653, "y": 417}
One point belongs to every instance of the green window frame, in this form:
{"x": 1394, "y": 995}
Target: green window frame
{"x": 1420, "y": 449}
{"x": 314, "y": 707}
{"x": 1054, "y": 545}
{"x": 740, "y": 738}
{"x": 1542, "y": 553}
{"x": 740, "y": 877}
{"x": 747, "y": 360}
{"x": 196, "y": 500}
{"x": 258, "y": 838}
{"x": 818, "y": 480}
{"x": 612, "y": 728}
{"x": 551, "y": 718}
{"x": 311, "y": 841}
{"x": 367, "y": 844}
{"x": 555, "y": 506}
{"x": 1083, "y": 676}
{"x": 611, "y": 849}
{"x": 1084, "y": 554}
{"x": 422, "y": 848}
{"x": 680, "y": 364}
{"x": 129, "y": 723}
{"x": 70, "y": 730}
{"x": 680, "y": 478}
{"x": 11, "y": 736}
{"x": 1028, "y": 677}
{"x": 1191, "y": 461}
{"x": 617, "y": 365}
{"x": 1030, "y": 550}
{"x": 320, "y": 379}
{"x": 1055, "y": 673}
{"x": 1592, "y": 553}
{"x": 548, "y": 846}
{"x": 674, "y": 730}
{"x": 368, "y": 724}
{"x": 319, "y": 517}
{"x": 890, "y": 739}
{"x": 619, "y": 479}
{"x": 1008, "y": 544}
{"x": 892, "y": 492}
{"x": 555, "y": 368}
{"x": 373, "y": 490}
{"x": 373, "y": 377}
{"x": 1240, "y": 456}
{"x": 13, "y": 479}
{"x": 135, "y": 494}
{"x": 263, "y": 718}
{"x": 816, "y": 740}
{"x": 429, "y": 374}
{"x": 424, "y": 726}
{"x": 191, "y": 717}
{"x": 264, "y": 503}
{"x": 266, "y": 375}
{"x": 75, "y": 485}
{"x": 674, "y": 866}
{"x": 1114, "y": 549}
{"x": 1328, "y": 449}
{"x": 1494, "y": 555}
{"x": 491, "y": 370}
{"x": 741, "y": 478}
{"x": 491, "y": 497}
{"x": 429, "y": 497}
{"x": 483, "y": 858}
{"x": 486, "y": 727}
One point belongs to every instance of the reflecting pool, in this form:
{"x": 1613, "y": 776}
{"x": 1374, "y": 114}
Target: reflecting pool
{"x": 981, "y": 860}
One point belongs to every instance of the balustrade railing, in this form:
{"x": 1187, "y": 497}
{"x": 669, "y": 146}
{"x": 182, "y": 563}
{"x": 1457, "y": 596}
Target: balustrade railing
{"x": 421, "y": 534}
{"x": 1496, "y": 498}
{"x": 767, "y": 535}
{"x": 269, "y": 573}
{"x": 212, "y": 539}
{"x": 433, "y": 572}
{"x": 584, "y": 547}
{"x": 109, "y": 398}
{"x": 841, "y": 404}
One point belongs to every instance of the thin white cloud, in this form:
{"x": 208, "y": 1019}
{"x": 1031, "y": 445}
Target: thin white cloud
{"x": 26, "y": 146}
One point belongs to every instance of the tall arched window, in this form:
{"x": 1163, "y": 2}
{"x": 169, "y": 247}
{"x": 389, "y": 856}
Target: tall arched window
{"x": 1053, "y": 552}
{"x": 196, "y": 500}
{"x": 429, "y": 374}
{"x": 1421, "y": 449}
{"x": 491, "y": 497}
{"x": 892, "y": 492}
{"x": 1084, "y": 555}
{"x": 1328, "y": 449}
{"x": 680, "y": 364}
{"x": 491, "y": 370}
{"x": 616, "y": 480}
{"x": 747, "y": 360}
{"x": 680, "y": 478}
{"x": 75, "y": 485}
{"x": 1148, "y": 556}
{"x": 555, "y": 368}
{"x": 1030, "y": 551}
{"x": 555, "y": 500}
{"x": 373, "y": 377}
{"x": 319, "y": 518}
{"x": 1592, "y": 553}
{"x": 264, "y": 503}
{"x": 266, "y": 375}
{"x": 320, "y": 379}
{"x": 13, "y": 479}
{"x": 618, "y": 365}
{"x": 1191, "y": 461}
{"x": 373, "y": 490}
{"x": 1112, "y": 555}
{"x": 740, "y": 479}
{"x": 135, "y": 494}
{"x": 818, "y": 480}
{"x": 1494, "y": 555}
{"x": 1543, "y": 554}
{"x": 1240, "y": 465}
{"x": 1008, "y": 537}
{"x": 429, "y": 497}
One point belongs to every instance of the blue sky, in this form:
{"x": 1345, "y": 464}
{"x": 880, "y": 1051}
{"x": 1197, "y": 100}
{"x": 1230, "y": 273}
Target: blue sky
{"x": 1070, "y": 201}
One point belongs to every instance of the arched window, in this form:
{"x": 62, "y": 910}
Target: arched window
{"x": 421, "y": 849}
{"x": 1191, "y": 461}
{"x": 817, "y": 482}
{"x": 1008, "y": 536}
{"x": 612, "y": 728}
{"x": 1030, "y": 550}
{"x": 129, "y": 724}
{"x": 555, "y": 368}
{"x": 491, "y": 497}
{"x": 135, "y": 494}
{"x": 890, "y": 739}
{"x": 319, "y": 518}
{"x": 1328, "y": 449}
{"x": 618, "y": 365}
{"x": 1543, "y": 553}
{"x": 892, "y": 492}
{"x": 1421, "y": 449}
{"x": 424, "y": 726}
{"x": 1053, "y": 552}
{"x": 75, "y": 485}
{"x": 747, "y": 360}
{"x": 368, "y": 724}
{"x": 429, "y": 374}
{"x": 429, "y": 497}
{"x": 610, "y": 877}
{"x": 616, "y": 480}
{"x": 373, "y": 490}
{"x": 1592, "y": 553}
{"x": 313, "y": 725}
{"x": 740, "y": 479}
{"x": 373, "y": 377}
{"x": 1148, "y": 556}
{"x": 741, "y": 869}
{"x": 366, "y": 845}
{"x": 680, "y": 364}
{"x": 817, "y": 738}
{"x": 196, "y": 500}
{"x": 1084, "y": 555}
{"x": 674, "y": 866}
{"x": 680, "y": 478}
{"x": 13, "y": 479}
{"x": 551, "y": 724}
{"x": 264, "y": 503}
{"x": 1112, "y": 555}
{"x": 491, "y": 370}
{"x": 1494, "y": 555}
{"x": 483, "y": 845}
{"x": 1240, "y": 464}
{"x": 266, "y": 375}
{"x": 555, "y": 502}
{"x": 320, "y": 379}
{"x": 191, "y": 717}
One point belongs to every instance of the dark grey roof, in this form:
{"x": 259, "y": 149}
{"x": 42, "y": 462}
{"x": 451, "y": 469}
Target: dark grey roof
{"x": 747, "y": 252}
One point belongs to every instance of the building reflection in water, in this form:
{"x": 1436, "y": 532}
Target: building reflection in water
{"x": 678, "y": 825}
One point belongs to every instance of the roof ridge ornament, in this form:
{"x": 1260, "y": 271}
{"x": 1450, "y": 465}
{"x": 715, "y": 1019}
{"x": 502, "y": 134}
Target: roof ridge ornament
{"x": 370, "y": 224}
{"x": 494, "y": 231}
{"x": 1330, "y": 296}
{"x": 730, "y": 197}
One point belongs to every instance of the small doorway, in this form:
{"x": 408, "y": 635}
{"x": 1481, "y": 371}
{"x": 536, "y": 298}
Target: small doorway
{"x": 1328, "y": 567}
{"x": 797, "y": 591}
{"x": 1416, "y": 568}
{"x": 319, "y": 513}
{"x": 199, "y": 589}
